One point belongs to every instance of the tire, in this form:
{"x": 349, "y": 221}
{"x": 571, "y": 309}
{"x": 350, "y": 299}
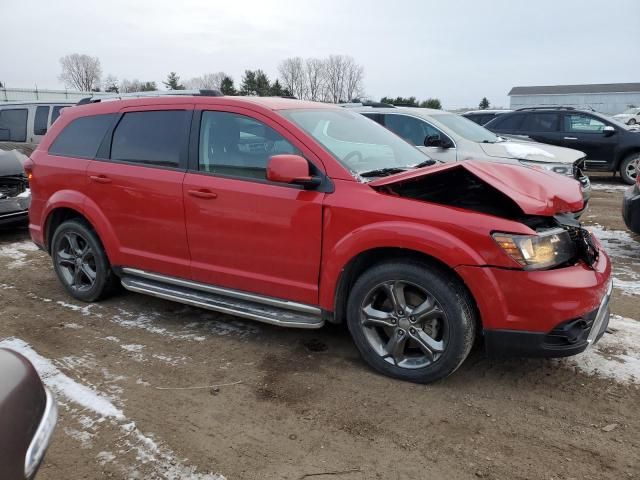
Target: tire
{"x": 447, "y": 327}
{"x": 632, "y": 121}
{"x": 629, "y": 168}
{"x": 78, "y": 255}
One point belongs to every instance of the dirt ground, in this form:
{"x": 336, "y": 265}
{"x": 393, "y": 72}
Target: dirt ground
{"x": 302, "y": 404}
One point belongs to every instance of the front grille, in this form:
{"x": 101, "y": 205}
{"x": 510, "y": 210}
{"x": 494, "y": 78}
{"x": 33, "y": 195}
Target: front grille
{"x": 578, "y": 171}
{"x": 585, "y": 247}
{"x": 12, "y": 186}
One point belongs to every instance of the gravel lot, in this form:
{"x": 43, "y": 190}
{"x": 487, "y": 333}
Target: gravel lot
{"x": 133, "y": 376}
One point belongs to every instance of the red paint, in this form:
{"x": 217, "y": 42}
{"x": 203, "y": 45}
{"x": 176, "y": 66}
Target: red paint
{"x": 292, "y": 243}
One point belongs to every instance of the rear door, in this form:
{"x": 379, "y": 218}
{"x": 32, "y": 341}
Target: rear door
{"x": 137, "y": 184}
{"x": 585, "y": 132}
{"x": 245, "y": 232}
{"x": 40, "y": 122}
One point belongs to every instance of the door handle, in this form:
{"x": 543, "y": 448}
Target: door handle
{"x": 100, "y": 178}
{"x": 205, "y": 194}
{"x": 570, "y": 138}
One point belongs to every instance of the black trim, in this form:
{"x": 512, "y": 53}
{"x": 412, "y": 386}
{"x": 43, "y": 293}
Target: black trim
{"x": 566, "y": 339}
{"x": 14, "y": 219}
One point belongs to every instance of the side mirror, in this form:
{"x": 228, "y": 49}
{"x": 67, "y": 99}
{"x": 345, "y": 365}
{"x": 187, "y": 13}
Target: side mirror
{"x": 608, "y": 131}
{"x": 292, "y": 169}
{"x": 5, "y": 134}
{"x": 432, "y": 141}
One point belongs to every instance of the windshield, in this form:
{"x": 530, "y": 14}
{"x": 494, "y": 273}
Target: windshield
{"x": 466, "y": 128}
{"x": 357, "y": 142}
{"x": 632, "y": 111}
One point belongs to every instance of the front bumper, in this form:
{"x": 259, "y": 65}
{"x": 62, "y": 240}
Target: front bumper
{"x": 15, "y": 210}
{"x": 520, "y": 309}
{"x": 631, "y": 208}
{"x": 569, "y": 338}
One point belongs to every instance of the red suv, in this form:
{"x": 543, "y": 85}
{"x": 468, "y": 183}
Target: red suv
{"x": 298, "y": 213}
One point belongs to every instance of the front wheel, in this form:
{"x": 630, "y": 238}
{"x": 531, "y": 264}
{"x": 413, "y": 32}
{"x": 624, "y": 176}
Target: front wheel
{"x": 629, "y": 168}
{"x": 80, "y": 262}
{"x": 632, "y": 121}
{"x": 411, "y": 321}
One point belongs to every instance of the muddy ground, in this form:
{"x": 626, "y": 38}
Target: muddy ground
{"x": 301, "y": 404}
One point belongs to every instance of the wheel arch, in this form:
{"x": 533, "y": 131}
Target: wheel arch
{"x": 624, "y": 154}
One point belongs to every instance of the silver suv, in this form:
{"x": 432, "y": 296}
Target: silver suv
{"x": 448, "y": 137}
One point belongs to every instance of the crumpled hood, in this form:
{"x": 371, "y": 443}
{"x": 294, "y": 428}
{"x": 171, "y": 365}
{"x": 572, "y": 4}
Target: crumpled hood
{"x": 534, "y": 151}
{"x": 536, "y": 192}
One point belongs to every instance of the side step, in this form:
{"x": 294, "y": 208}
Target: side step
{"x": 242, "y": 304}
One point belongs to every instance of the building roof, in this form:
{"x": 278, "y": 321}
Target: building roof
{"x": 569, "y": 89}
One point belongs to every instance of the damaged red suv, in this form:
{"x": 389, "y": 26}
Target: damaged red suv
{"x": 297, "y": 213}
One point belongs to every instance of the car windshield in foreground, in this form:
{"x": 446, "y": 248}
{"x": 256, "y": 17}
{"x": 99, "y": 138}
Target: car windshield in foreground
{"x": 467, "y": 129}
{"x": 361, "y": 145}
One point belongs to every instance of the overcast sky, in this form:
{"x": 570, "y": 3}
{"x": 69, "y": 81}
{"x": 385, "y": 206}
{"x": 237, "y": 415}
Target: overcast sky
{"x": 456, "y": 50}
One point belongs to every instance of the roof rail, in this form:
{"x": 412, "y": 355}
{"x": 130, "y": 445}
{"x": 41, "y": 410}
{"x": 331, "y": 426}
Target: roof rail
{"x": 155, "y": 93}
{"x": 548, "y": 107}
{"x": 366, "y": 104}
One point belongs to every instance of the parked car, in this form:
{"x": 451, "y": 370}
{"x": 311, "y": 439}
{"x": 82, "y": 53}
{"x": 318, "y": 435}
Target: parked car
{"x": 28, "y": 414}
{"x": 630, "y": 116}
{"x": 23, "y": 124}
{"x": 481, "y": 117}
{"x": 609, "y": 144}
{"x": 299, "y": 213}
{"x": 631, "y": 207}
{"x": 448, "y": 137}
{"x": 15, "y": 195}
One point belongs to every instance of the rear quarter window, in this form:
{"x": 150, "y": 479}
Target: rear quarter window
{"x": 82, "y": 137}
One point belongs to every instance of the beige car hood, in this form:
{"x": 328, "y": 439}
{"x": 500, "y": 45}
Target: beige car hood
{"x": 533, "y": 151}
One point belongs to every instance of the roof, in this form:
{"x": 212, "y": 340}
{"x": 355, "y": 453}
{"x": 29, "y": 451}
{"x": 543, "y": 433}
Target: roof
{"x": 568, "y": 89}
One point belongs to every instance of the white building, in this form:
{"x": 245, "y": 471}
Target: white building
{"x": 27, "y": 94}
{"x": 609, "y": 98}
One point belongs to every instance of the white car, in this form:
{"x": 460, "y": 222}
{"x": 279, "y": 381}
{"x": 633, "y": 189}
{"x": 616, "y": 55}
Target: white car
{"x": 630, "y": 116}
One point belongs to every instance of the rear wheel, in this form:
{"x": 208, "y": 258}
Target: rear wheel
{"x": 80, "y": 262}
{"x": 629, "y": 168}
{"x": 632, "y": 121}
{"x": 410, "y": 321}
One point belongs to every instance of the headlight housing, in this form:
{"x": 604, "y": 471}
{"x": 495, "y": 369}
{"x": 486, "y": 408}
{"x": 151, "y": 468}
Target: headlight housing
{"x": 559, "y": 168}
{"x": 537, "y": 252}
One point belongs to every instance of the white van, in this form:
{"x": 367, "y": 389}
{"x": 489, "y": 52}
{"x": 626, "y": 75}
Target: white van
{"x": 23, "y": 124}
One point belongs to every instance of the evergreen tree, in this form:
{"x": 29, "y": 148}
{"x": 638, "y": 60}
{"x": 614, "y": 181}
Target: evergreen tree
{"x": 263, "y": 86}
{"x": 276, "y": 89}
{"x": 152, "y": 87}
{"x": 227, "y": 87}
{"x": 248, "y": 86}
{"x": 484, "y": 103}
{"x": 173, "y": 82}
{"x": 432, "y": 103}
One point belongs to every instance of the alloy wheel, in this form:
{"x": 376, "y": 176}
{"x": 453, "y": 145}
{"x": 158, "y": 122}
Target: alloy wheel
{"x": 404, "y": 324}
{"x": 76, "y": 261}
{"x": 633, "y": 167}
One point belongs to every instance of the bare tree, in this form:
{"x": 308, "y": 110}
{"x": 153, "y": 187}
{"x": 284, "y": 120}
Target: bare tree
{"x": 110, "y": 84}
{"x": 81, "y": 72}
{"x": 353, "y": 76}
{"x": 292, "y": 74}
{"x": 315, "y": 71}
{"x": 208, "y": 81}
{"x": 135, "y": 85}
{"x": 335, "y": 71}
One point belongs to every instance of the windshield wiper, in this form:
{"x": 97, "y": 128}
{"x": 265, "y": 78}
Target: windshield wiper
{"x": 426, "y": 163}
{"x": 382, "y": 172}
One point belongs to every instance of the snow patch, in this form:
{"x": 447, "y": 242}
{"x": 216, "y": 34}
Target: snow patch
{"x": 62, "y": 384}
{"x": 17, "y": 252}
{"x": 519, "y": 150}
{"x": 73, "y": 326}
{"x": 616, "y": 355}
{"x": 617, "y": 243}
{"x": 84, "y": 310}
{"x": 85, "y": 438}
{"x": 605, "y": 187}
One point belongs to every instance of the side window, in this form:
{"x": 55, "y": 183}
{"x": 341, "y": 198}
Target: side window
{"x": 40, "y": 123}
{"x": 152, "y": 137}
{"x": 82, "y": 137}
{"x": 376, "y": 117}
{"x": 411, "y": 129}
{"x": 508, "y": 122}
{"x": 238, "y": 146}
{"x": 13, "y": 124}
{"x": 55, "y": 113}
{"x": 582, "y": 123}
{"x": 541, "y": 122}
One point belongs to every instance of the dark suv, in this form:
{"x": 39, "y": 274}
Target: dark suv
{"x": 609, "y": 145}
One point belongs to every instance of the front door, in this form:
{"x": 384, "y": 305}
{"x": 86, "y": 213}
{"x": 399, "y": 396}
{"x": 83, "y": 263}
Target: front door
{"x": 138, "y": 187}
{"x": 585, "y": 132}
{"x": 415, "y": 131}
{"x": 245, "y": 232}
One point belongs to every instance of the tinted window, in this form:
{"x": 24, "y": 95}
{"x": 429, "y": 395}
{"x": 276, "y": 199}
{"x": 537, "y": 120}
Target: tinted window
{"x": 152, "y": 138}
{"x": 507, "y": 122}
{"x": 55, "y": 113}
{"x": 40, "y": 123}
{"x": 411, "y": 129}
{"x": 582, "y": 123}
{"x": 82, "y": 137}
{"x": 239, "y": 146}
{"x": 14, "y": 121}
{"x": 541, "y": 122}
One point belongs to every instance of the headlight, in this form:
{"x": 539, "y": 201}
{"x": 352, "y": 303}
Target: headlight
{"x": 559, "y": 168}
{"x": 536, "y": 252}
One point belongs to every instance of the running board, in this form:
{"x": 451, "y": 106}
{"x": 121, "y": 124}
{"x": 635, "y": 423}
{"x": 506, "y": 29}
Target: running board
{"x": 242, "y": 304}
